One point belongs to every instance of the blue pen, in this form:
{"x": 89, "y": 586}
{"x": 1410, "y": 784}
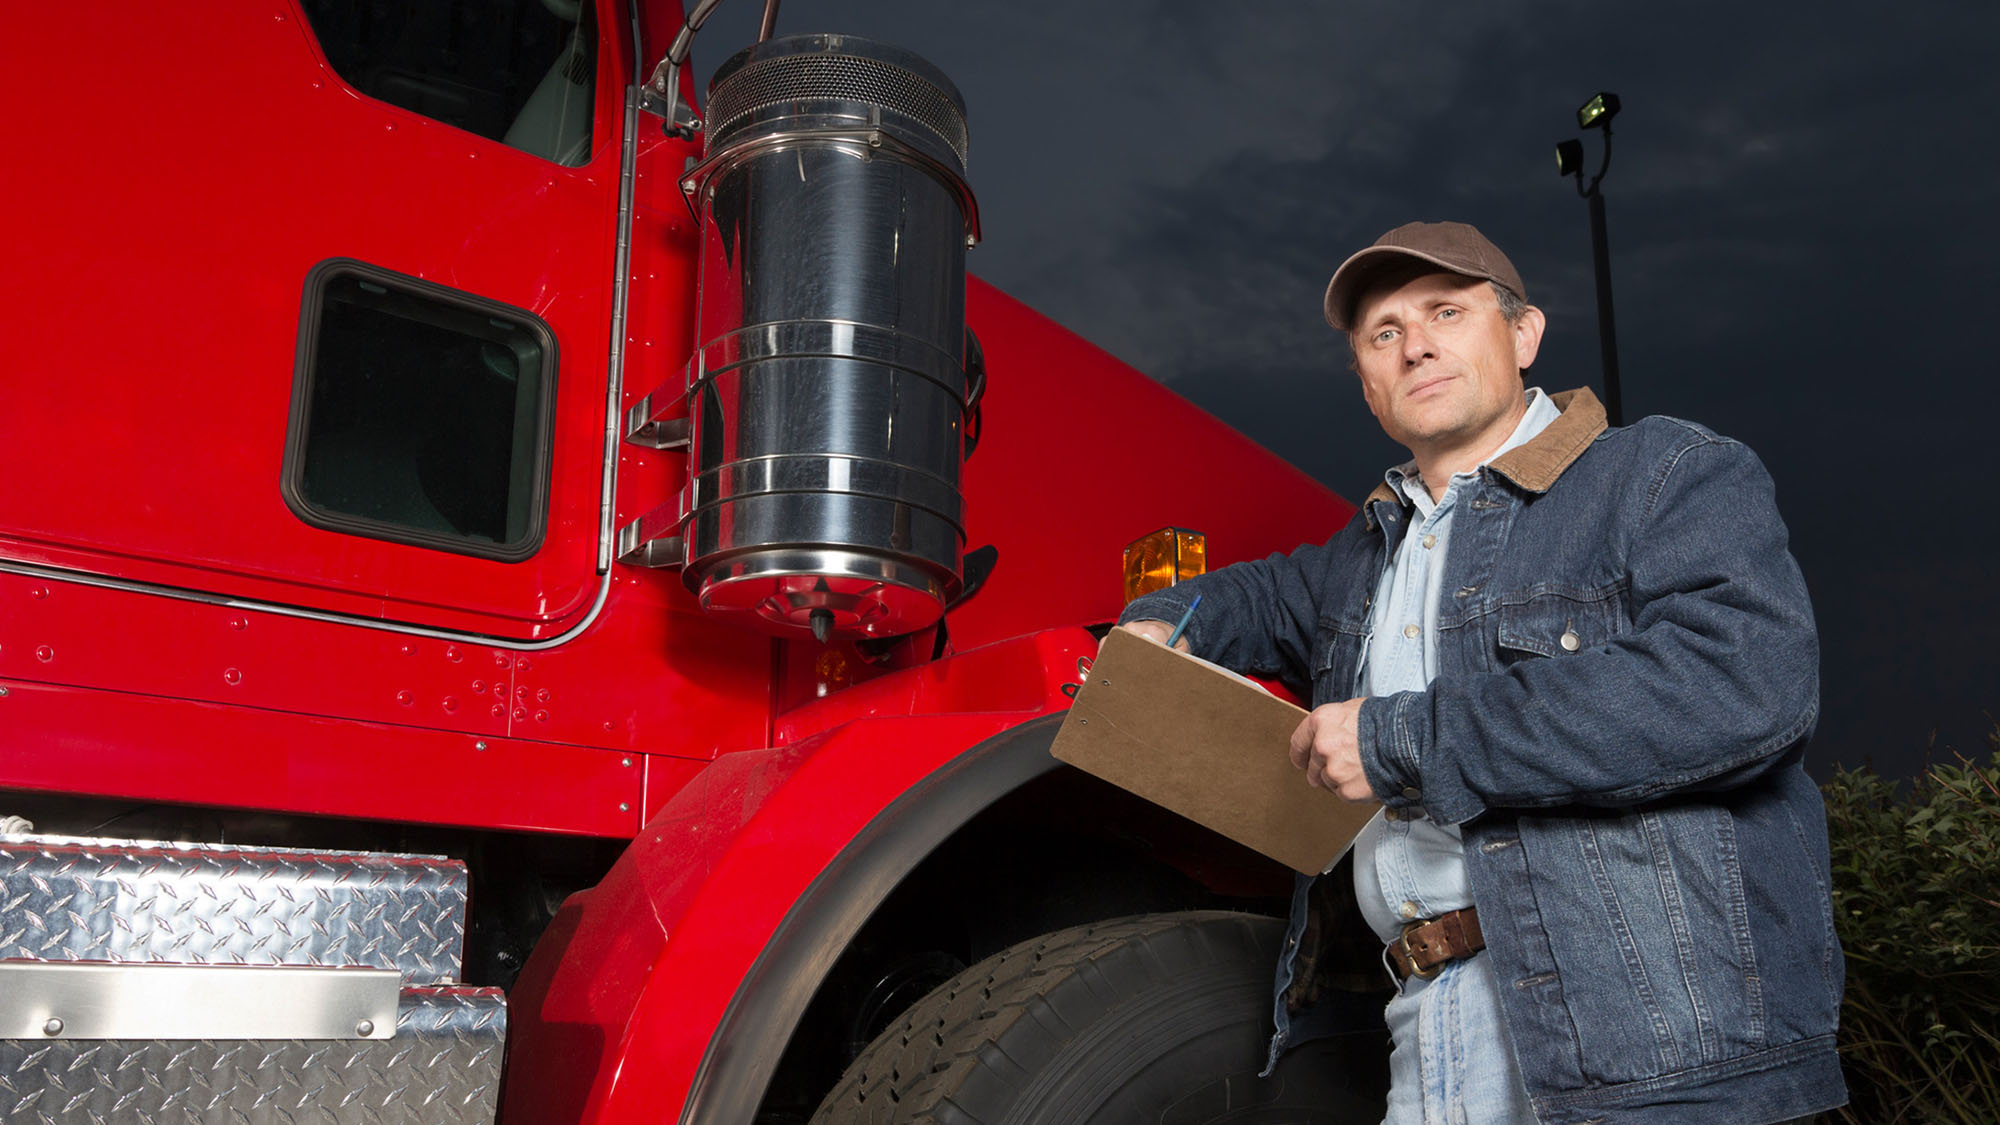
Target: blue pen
{"x": 1185, "y": 618}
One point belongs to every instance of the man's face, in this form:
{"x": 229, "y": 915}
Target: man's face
{"x": 1440, "y": 367}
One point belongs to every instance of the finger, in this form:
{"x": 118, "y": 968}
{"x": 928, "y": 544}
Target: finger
{"x": 1302, "y": 740}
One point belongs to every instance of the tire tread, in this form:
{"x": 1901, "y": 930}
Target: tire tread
{"x": 970, "y": 1032}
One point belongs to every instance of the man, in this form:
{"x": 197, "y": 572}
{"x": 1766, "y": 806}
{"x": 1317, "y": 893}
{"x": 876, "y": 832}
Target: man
{"x": 1578, "y": 667}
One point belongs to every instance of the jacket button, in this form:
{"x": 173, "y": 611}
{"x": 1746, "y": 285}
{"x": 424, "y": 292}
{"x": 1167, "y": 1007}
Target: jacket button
{"x": 1570, "y": 641}
{"x": 1413, "y": 793}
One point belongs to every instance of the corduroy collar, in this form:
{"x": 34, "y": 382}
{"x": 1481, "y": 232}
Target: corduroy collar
{"x": 1536, "y": 463}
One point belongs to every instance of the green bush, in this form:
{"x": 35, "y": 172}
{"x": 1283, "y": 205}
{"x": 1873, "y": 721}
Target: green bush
{"x": 1916, "y": 896}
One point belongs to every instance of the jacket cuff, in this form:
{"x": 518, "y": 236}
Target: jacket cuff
{"x": 1388, "y": 756}
{"x": 1163, "y": 605}
{"x": 1398, "y": 736}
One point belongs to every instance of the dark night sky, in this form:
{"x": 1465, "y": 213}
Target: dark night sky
{"x": 1803, "y": 227}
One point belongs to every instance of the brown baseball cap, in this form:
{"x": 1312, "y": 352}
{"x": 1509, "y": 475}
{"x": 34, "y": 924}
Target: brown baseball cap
{"x": 1456, "y": 247}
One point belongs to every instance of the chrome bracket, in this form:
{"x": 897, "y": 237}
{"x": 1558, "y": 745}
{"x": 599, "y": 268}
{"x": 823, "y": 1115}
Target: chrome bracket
{"x": 661, "y": 94}
{"x": 654, "y": 539}
{"x": 661, "y": 97}
{"x": 654, "y": 429}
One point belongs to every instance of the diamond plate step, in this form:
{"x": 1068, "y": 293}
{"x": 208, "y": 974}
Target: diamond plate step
{"x": 71, "y": 899}
{"x": 442, "y": 1068}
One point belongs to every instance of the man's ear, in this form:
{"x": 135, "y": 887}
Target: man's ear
{"x": 1528, "y": 336}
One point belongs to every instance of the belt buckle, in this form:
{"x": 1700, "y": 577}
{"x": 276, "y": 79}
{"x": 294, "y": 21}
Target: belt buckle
{"x": 1402, "y": 943}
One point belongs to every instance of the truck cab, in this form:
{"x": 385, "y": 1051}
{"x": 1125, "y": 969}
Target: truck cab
{"x": 392, "y": 612}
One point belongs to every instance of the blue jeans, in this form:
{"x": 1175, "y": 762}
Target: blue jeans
{"x": 1452, "y": 1063}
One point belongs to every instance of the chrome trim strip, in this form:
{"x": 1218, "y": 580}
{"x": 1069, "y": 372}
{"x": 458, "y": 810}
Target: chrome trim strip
{"x": 42, "y": 1000}
{"x": 102, "y": 582}
{"x": 627, "y": 173}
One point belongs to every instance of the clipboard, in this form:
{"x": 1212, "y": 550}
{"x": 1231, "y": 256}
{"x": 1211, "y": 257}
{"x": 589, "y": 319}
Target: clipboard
{"x": 1208, "y": 744}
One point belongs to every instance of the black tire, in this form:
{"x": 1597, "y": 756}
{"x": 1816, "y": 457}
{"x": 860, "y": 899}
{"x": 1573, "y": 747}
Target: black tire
{"x": 1160, "y": 1018}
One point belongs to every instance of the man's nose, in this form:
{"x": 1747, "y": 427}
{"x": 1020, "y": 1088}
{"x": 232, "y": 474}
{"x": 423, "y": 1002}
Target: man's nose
{"x": 1416, "y": 346}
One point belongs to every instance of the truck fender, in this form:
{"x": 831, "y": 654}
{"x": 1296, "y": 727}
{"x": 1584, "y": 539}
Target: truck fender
{"x": 678, "y": 979}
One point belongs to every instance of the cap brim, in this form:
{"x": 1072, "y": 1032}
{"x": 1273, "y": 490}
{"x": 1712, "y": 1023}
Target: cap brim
{"x": 1362, "y": 267}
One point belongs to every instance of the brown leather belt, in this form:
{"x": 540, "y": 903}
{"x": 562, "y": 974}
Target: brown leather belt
{"x": 1426, "y": 946}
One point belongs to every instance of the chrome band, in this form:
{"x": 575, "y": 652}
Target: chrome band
{"x": 865, "y": 143}
{"x": 855, "y": 476}
{"x": 843, "y": 339}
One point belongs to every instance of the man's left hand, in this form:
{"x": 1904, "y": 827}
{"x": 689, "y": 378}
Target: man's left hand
{"x": 1327, "y": 746}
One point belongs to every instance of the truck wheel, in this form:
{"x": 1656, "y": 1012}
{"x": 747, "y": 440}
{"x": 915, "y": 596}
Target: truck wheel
{"x": 1164, "y": 1017}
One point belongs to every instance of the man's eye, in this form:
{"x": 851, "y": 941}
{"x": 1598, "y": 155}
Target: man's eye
{"x": 1447, "y": 314}
{"x": 1384, "y": 336}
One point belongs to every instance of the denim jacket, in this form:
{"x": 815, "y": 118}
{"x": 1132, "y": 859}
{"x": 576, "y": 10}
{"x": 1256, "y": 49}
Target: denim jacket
{"x": 1628, "y": 675}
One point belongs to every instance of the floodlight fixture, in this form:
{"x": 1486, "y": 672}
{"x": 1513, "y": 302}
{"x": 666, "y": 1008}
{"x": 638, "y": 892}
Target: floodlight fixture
{"x": 1569, "y": 158}
{"x": 1597, "y": 114}
{"x": 1598, "y": 111}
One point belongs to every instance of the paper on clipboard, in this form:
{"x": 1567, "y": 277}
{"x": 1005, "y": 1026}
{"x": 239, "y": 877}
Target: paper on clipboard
{"x": 1207, "y": 744}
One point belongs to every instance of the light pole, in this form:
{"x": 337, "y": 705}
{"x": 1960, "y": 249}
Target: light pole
{"x": 1597, "y": 114}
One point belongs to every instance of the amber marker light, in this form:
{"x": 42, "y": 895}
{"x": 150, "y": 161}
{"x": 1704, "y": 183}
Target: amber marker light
{"x": 1162, "y": 558}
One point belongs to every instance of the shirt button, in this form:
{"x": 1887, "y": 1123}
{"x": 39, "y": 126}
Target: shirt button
{"x": 1408, "y": 909}
{"x": 1413, "y": 793}
{"x": 1430, "y": 541}
{"x": 1411, "y": 631}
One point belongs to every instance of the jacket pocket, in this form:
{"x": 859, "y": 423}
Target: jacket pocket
{"x": 1337, "y": 662}
{"x": 1560, "y": 623}
{"x": 1648, "y": 926}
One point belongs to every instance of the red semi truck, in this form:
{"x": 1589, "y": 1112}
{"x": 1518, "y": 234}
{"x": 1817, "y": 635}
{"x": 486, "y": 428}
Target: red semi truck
{"x": 510, "y": 568}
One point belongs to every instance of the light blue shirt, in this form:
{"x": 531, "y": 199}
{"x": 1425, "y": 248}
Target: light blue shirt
{"x": 1409, "y": 867}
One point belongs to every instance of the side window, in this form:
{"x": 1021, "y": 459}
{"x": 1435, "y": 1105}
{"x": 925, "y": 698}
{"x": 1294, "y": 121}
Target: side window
{"x": 516, "y": 71}
{"x": 420, "y": 414}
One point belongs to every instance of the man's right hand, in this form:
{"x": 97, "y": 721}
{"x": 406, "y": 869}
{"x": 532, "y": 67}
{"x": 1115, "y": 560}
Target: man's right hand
{"x": 1155, "y": 631}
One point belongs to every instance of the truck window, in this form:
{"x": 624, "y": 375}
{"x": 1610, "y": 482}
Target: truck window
{"x": 516, "y": 71}
{"x": 420, "y": 414}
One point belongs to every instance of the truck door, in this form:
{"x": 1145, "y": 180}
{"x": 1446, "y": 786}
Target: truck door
{"x": 323, "y": 321}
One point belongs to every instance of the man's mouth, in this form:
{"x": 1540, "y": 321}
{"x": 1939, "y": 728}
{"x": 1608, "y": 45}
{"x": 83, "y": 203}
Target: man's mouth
{"x": 1426, "y": 384}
